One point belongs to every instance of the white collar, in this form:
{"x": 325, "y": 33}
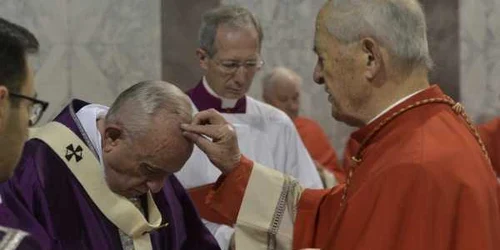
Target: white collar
{"x": 88, "y": 116}
{"x": 225, "y": 102}
{"x": 395, "y": 104}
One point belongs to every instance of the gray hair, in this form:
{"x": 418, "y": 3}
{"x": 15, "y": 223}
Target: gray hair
{"x": 398, "y": 24}
{"x": 269, "y": 79}
{"x": 136, "y": 106}
{"x": 231, "y": 15}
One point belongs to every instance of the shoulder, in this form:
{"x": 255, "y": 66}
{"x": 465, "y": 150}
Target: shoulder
{"x": 33, "y": 167}
{"x": 302, "y": 121}
{"x": 268, "y": 112}
{"x": 16, "y": 239}
{"x": 441, "y": 149}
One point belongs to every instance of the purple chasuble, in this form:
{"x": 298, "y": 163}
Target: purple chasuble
{"x": 204, "y": 100}
{"x": 44, "y": 192}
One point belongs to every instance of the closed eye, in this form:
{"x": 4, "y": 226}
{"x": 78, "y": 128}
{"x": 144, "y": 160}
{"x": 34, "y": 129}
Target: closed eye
{"x": 230, "y": 65}
{"x": 150, "y": 170}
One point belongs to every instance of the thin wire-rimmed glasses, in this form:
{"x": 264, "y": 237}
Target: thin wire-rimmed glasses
{"x": 36, "y": 110}
{"x": 230, "y": 67}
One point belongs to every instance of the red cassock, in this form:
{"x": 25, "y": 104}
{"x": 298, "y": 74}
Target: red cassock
{"x": 418, "y": 179}
{"x": 490, "y": 133}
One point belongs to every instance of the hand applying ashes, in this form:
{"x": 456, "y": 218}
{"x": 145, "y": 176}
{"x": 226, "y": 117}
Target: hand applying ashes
{"x": 216, "y": 138}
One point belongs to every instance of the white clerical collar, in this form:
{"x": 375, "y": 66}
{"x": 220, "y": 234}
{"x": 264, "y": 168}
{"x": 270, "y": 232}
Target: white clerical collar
{"x": 88, "y": 117}
{"x": 225, "y": 102}
{"x": 395, "y": 104}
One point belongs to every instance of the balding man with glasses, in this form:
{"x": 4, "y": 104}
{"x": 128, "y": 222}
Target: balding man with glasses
{"x": 230, "y": 40}
{"x": 19, "y": 109}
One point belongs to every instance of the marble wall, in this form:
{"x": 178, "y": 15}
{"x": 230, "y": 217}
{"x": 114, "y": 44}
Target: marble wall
{"x": 480, "y": 57}
{"x": 91, "y": 49}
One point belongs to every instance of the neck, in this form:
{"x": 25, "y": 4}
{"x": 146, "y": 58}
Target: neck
{"x": 394, "y": 90}
{"x": 226, "y": 102}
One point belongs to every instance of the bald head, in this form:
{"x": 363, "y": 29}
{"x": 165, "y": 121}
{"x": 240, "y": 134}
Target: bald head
{"x": 136, "y": 107}
{"x": 281, "y": 89}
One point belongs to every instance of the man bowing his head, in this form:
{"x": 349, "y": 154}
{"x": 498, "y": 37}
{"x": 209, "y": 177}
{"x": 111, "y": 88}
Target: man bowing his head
{"x": 102, "y": 178}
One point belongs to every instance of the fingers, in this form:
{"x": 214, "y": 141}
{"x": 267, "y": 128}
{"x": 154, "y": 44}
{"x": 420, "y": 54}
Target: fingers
{"x": 200, "y": 141}
{"x": 212, "y": 131}
{"x": 210, "y": 116}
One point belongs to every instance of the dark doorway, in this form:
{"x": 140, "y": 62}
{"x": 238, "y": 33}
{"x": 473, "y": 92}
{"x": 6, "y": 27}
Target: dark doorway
{"x": 444, "y": 44}
{"x": 180, "y": 23}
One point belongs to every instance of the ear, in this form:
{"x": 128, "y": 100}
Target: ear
{"x": 203, "y": 57}
{"x": 4, "y": 106}
{"x": 112, "y": 137}
{"x": 373, "y": 58}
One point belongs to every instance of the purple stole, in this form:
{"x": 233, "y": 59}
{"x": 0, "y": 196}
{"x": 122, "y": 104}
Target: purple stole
{"x": 203, "y": 100}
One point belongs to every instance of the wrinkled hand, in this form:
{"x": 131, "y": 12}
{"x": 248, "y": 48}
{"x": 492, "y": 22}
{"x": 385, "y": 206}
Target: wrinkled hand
{"x": 216, "y": 137}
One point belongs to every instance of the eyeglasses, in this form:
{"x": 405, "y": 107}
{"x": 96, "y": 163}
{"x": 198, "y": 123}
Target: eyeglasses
{"x": 36, "y": 109}
{"x": 230, "y": 67}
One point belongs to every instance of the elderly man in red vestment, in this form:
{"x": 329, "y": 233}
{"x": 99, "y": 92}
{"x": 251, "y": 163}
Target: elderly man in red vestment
{"x": 419, "y": 176}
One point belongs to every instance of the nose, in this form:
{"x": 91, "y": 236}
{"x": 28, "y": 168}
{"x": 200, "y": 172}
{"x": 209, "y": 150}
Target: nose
{"x": 240, "y": 74}
{"x": 318, "y": 75}
{"x": 156, "y": 185}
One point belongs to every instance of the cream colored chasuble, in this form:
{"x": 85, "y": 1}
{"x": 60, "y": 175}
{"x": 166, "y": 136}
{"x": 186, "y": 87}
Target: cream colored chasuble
{"x": 86, "y": 168}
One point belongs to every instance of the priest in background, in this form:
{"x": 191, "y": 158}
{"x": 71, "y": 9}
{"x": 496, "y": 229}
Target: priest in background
{"x": 281, "y": 89}
{"x": 102, "y": 178}
{"x": 229, "y": 53}
{"x": 419, "y": 176}
{"x": 19, "y": 109}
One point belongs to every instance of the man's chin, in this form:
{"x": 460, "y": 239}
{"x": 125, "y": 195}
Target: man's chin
{"x": 234, "y": 95}
{"x": 349, "y": 121}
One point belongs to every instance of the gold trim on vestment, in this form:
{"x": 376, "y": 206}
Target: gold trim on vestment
{"x": 265, "y": 219}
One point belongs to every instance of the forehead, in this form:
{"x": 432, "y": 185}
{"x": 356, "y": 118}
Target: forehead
{"x": 164, "y": 140}
{"x": 321, "y": 34}
{"x": 237, "y": 40}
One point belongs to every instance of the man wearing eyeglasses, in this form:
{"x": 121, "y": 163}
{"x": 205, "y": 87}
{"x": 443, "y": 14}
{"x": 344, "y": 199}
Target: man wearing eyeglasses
{"x": 19, "y": 109}
{"x": 229, "y": 53}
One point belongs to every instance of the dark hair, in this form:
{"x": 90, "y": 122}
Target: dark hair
{"x": 15, "y": 43}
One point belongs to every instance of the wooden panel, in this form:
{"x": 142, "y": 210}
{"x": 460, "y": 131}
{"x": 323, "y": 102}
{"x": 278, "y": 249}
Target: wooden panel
{"x": 180, "y": 23}
{"x": 443, "y": 34}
